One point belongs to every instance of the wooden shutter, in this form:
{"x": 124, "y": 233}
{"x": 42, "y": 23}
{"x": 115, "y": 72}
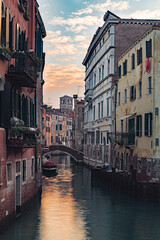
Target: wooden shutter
{"x": 140, "y": 126}
{"x": 6, "y": 105}
{"x": 147, "y": 48}
{"x": 140, "y": 55}
{"x": 146, "y": 124}
{"x": 137, "y": 126}
{"x": 150, "y": 124}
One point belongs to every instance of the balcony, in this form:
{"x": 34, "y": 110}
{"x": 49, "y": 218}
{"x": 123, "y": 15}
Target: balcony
{"x": 23, "y": 70}
{"x": 88, "y": 94}
{"x": 122, "y": 139}
{"x": 88, "y": 126}
{"x": 22, "y": 137}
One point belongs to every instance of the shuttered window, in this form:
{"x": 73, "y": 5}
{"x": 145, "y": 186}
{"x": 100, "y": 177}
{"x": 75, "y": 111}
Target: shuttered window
{"x": 149, "y": 48}
{"x": 139, "y": 56}
{"x": 119, "y": 71}
{"x": 125, "y": 68}
{"x": 139, "y": 125}
{"x": 11, "y": 34}
{"x": 133, "y": 61}
{"x": 3, "y": 26}
{"x": 148, "y": 124}
{"x": 97, "y": 137}
{"x": 32, "y": 123}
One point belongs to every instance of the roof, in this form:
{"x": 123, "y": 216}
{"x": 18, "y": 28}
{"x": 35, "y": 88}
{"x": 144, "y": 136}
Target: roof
{"x": 111, "y": 18}
{"x": 157, "y": 27}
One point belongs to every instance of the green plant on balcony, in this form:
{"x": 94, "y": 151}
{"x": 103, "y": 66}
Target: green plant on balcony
{"x": 36, "y": 59}
{"x": 5, "y": 52}
{"x": 18, "y": 130}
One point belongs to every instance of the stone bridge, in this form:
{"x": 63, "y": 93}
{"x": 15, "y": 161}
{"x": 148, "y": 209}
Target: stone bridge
{"x": 74, "y": 153}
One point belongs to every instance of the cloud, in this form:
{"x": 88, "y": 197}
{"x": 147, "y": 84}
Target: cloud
{"x": 61, "y": 49}
{"x": 63, "y": 76}
{"x": 111, "y": 5}
{"x": 75, "y": 22}
{"x": 146, "y": 14}
{"x": 68, "y": 59}
{"x": 61, "y": 39}
{"x": 83, "y": 11}
{"x": 79, "y": 38}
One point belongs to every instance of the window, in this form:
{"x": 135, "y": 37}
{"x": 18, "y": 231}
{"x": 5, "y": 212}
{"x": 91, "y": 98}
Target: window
{"x": 3, "y": 25}
{"x": 107, "y": 107}
{"x": 102, "y": 109}
{"x": 93, "y": 113}
{"x": 56, "y": 127}
{"x": 109, "y": 33}
{"x": 157, "y": 142}
{"x": 149, "y": 85}
{"x": 56, "y": 139}
{"x": 51, "y": 139}
{"x": 139, "y": 165}
{"x": 60, "y": 126}
{"x": 101, "y": 137}
{"x": 139, "y": 126}
{"x": 149, "y": 48}
{"x": 99, "y": 74}
{"x": 98, "y": 110}
{"x": 97, "y": 136}
{"x": 9, "y": 172}
{"x": 148, "y": 166}
{"x": 102, "y": 72}
{"x": 18, "y": 167}
{"x": 125, "y": 96}
{"x": 140, "y": 89}
{"x": 32, "y": 167}
{"x": 125, "y": 68}
{"x": 24, "y": 173}
{"x": 148, "y": 124}
{"x": 119, "y": 71}
{"x": 121, "y": 126}
{"x": 132, "y": 93}
{"x": 133, "y": 61}
{"x": 95, "y": 79}
{"x": 108, "y": 66}
{"x": 92, "y": 138}
{"x": 139, "y": 56}
{"x": 119, "y": 98}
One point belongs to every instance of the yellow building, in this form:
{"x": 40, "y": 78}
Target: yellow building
{"x": 137, "y": 110}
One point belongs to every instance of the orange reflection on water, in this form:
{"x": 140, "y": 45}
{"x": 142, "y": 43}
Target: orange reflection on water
{"x": 61, "y": 217}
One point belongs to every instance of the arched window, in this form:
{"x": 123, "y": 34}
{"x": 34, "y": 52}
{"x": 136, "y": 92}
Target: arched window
{"x": 10, "y": 32}
{"x": 32, "y": 122}
{"x": 23, "y": 107}
{"x": 3, "y": 26}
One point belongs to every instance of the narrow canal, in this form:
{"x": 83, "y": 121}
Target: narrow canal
{"x": 71, "y": 208}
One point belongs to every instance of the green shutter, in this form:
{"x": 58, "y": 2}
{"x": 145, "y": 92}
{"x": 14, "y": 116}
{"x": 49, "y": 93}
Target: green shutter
{"x": 146, "y": 124}
{"x": 140, "y": 127}
{"x": 150, "y": 124}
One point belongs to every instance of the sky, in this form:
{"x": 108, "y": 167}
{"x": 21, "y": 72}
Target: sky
{"x": 70, "y": 26}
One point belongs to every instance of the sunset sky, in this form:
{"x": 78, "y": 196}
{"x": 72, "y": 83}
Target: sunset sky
{"x": 70, "y": 26}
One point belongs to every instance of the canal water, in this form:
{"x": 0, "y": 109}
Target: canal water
{"x": 74, "y": 208}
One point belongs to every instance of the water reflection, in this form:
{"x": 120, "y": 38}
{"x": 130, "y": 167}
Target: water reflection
{"x": 71, "y": 208}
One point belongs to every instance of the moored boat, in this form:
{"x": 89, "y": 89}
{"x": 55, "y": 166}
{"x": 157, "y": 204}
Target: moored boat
{"x": 49, "y": 168}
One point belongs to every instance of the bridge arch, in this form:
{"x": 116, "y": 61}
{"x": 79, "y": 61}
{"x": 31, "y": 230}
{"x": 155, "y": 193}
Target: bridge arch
{"x": 74, "y": 153}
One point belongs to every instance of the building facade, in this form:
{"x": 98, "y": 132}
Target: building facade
{"x": 78, "y": 124}
{"x": 21, "y": 89}
{"x": 66, "y": 102}
{"x": 108, "y": 44}
{"x": 137, "y": 111}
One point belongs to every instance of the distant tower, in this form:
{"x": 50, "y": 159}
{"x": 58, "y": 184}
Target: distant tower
{"x": 66, "y": 102}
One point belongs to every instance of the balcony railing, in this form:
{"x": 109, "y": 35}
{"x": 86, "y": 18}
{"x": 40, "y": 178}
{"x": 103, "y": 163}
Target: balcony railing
{"x": 88, "y": 94}
{"x": 122, "y": 139}
{"x": 27, "y": 141}
{"x": 23, "y": 69}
